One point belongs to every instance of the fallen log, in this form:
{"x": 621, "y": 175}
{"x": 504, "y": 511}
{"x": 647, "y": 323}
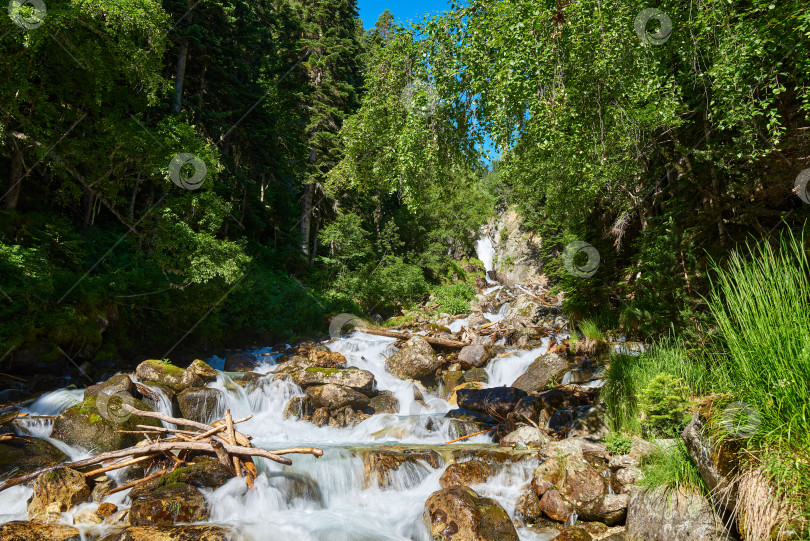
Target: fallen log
{"x": 407, "y": 336}
{"x": 160, "y": 447}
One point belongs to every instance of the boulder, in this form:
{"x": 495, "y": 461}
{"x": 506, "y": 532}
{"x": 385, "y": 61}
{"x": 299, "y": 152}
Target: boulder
{"x": 474, "y": 356}
{"x": 379, "y": 467}
{"x": 203, "y": 370}
{"x": 627, "y": 477}
{"x": 354, "y": 378}
{"x": 201, "y": 404}
{"x": 497, "y": 401}
{"x": 574, "y": 534}
{"x": 526, "y": 435}
{"x": 415, "y": 360}
{"x": 460, "y": 514}
{"x": 204, "y": 472}
{"x": 20, "y": 456}
{"x": 298, "y": 407}
{"x": 527, "y": 507}
{"x": 176, "y": 533}
{"x": 453, "y": 397}
{"x": 55, "y": 492}
{"x": 592, "y": 425}
{"x": 556, "y": 506}
{"x": 296, "y": 486}
{"x": 468, "y": 473}
{"x": 662, "y": 514}
{"x": 475, "y": 374}
{"x": 320, "y": 416}
{"x": 175, "y": 378}
{"x": 715, "y": 461}
{"x": 544, "y": 370}
{"x": 88, "y": 517}
{"x": 84, "y": 425}
{"x": 571, "y": 477}
{"x": 610, "y": 509}
{"x": 241, "y": 362}
{"x": 470, "y": 416}
{"x": 385, "y": 402}
{"x": 116, "y": 384}
{"x": 524, "y": 308}
{"x": 449, "y": 381}
{"x": 37, "y": 531}
{"x": 476, "y": 319}
{"x": 346, "y": 417}
{"x": 166, "y": 505}
{"x": 335, "y": 397}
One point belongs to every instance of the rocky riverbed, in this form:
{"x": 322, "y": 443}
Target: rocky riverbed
{"x": 500, "y": 439}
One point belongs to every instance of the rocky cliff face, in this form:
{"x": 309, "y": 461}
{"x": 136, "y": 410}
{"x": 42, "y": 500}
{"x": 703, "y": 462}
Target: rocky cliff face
{"x": 517, "y": 259}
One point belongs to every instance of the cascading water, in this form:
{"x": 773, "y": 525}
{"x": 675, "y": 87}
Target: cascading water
{"x": 485, "y": 251}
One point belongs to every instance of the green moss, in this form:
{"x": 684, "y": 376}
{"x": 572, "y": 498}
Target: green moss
{"x": 87, "y": 405}
{"x": 319, "y": 370}
{"x": 95, "y": 418}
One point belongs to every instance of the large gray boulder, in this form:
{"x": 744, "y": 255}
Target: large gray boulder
{"x": 715, "y": 461}
{"x": 545, "y": 369}
{"x": 336, "y": 396}
{"x": 201, "y": 404}
{"x": 360, "y": 380}
{"x": 415, "y": 360}
{"x": 165, "y": 373}
{"x": 474, "y": 356}
{"x": 459, "y": 514}
{"x": 662, "y": 514}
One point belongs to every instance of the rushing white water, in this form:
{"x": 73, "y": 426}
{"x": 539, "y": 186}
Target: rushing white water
{"x": 505, "y": 370}
{"x": 485, "y": 251}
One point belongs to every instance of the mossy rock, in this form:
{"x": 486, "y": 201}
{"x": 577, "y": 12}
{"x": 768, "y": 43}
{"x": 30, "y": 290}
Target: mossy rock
{"x": 173, "y": 533}
{"x": 459, "y": 513}
{"x": 167, "y": 505}
{"x": 94, "y": 424}
{"x": 37, "y": 531}
{"x": 204, "y": 472}
{"x": 22, "y": 456}
{"x": 116, "y": 384}
{"x": 201, "y": 404}
{"x": 174, "y": 377}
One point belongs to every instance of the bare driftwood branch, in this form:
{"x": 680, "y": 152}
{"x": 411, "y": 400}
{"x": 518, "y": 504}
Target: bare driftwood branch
{"x": 407, "y": 336}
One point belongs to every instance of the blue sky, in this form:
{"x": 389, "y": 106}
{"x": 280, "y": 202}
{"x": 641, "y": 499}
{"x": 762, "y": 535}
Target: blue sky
{"x": 403, "y": 10}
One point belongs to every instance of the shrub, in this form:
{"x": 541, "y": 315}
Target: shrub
{"x": 672, "y": 468}
{"x": 664, "y": 402}
{"x": 454, "y": 298}
{"x": 618, "y": 444}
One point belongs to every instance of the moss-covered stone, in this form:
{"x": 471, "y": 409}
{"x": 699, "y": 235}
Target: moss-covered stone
{"x": 37, "y": 531}
{"x": 96, "y": 424}
{"x": 20, "y": 456}
{"x": 459, "y": 514}
{"x": 174, "y": 377}
{"x": 168, "y": 504}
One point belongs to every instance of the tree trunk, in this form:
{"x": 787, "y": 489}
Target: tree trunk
{"x": 15, "y": 179}
{"x": 306, "y": 217}
{"x": 88, "y": 202}
{"x": 181, "y": 73}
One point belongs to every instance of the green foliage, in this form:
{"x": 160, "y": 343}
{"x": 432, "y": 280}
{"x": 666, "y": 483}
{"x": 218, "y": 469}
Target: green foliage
{"x": 618, "y": 444}
{"x": 674, "y": 469}
{"x": 454, "y": 298}
{"x": 664, "y": 402}
{"x": 590, "y": 330}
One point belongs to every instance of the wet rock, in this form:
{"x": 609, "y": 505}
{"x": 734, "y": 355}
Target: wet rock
{"x": 468, "y": 473}
{"x": 203, "y": 370}
{"x": 37, "y": 531}
{"x": 346, "y": 417}
{"x": 665, "y": 515}
{"x": 716, "y": 462}
{"x": 474, "y": 356}
{"x": 385, "y": 402}
{"x": 562, "y": 419}
{"x": 574, "y": 534}
{"x": 335, "y": 397}
{"x": 524, "y": 308}
{"x": 320, "y": 416}
{"x": 323, "y": 356}
{"x": 298, "y": 407}
{"x": 175, "y": 378}
{"x": 527, "y": 507}
{"x": 471, "y": 416}
{"x": 20, "y": 456}
{"x": 166, "y": 505}
{"x": 241, "y": 362}
{"x": 623, "y": 461}
{"x": 106, "y": 510}
{"x": 497, "y": 401}
{"x": 429, "y": 456}
{"x": 354, "y": 378}
{"x": 526, "y": 435}
{"x": 544, "y": 370}
{"x": 460, "y": 514}
{"x": 55, "y": 492}
{"x": 477, "y": 319}
{"x": 415, "y": 360}
{"x": 116, "y": 384}
{"x": 453, "y": 397}
{"x": 475, "y": 375}
{"x": 379, "y": 467}
{"x": 96, "y": 424}
{"x": 530, "y": 408}
{"x": 201, "y": 404}
{"x": 556, "y": 506}
{"x": 592, "y": 425}
{"x": 627, "y": 477}
{"x": 177, "y": 533}
{"x": 87, "y": 517}
{"x": 204, "y": 472}
{"x": 101, "y": 485}
{"x": 573, "y": 479}
{"x": 610, "y": 509}
{"x": 450, "y": 380}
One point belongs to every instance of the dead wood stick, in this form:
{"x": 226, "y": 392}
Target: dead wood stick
{"x": 136, "y": 483}
{"x": 470, "y": 436}
{"x": 407, "y": 336}
{"x": 15, "y": 378}
{"x": 163, "y": 430}
{"x": 209, "y": 433}
{"x": 251, "y": 473}
{"x": 232, "y": 440}
{"x": 169, "y": 446}
{"x": 175, "y": 420}
{"x": 119, "y": 465}
{"x": 222, "y": 455}
{"x": 490, "y": 324}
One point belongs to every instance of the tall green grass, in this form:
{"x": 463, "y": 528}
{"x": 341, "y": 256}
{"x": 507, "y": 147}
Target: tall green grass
{"x": 672, "y": 468}
{"x": 590, "y": 330}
